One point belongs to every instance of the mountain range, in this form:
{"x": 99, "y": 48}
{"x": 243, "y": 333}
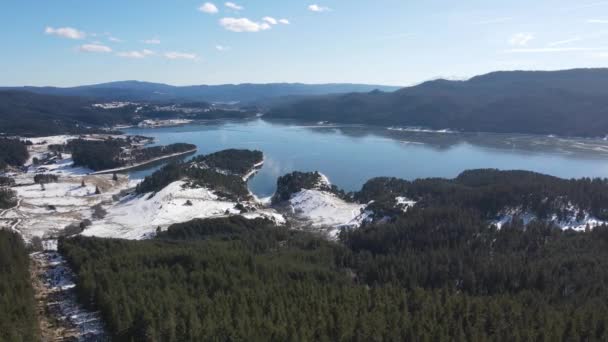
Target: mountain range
{"x": 570, "y": 102}
{"x": 158, "y": 92}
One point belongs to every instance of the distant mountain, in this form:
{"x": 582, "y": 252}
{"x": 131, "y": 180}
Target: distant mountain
{"x": 156, "y": 92}
{"x": 570, "y": 102}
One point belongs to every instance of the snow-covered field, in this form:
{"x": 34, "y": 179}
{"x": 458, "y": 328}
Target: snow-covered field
{"x": 46, "y": 212}
{"x": 61, "y": 167}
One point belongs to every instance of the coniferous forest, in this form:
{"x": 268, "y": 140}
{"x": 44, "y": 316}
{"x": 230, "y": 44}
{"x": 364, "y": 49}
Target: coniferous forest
{"x": 18, "y": 322}
{"x": 439, "y": 274}
{"x": 109, "y": 154}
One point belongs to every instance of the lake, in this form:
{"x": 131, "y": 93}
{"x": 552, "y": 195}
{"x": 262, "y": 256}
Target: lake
{"x": 350, "y": 155}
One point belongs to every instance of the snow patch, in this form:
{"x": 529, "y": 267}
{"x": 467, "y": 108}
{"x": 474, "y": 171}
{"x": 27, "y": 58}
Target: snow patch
{"x": 113, "y": 105}
{"x": 405, "y": 203}
{"x": 324, "y": 209}
{"x": 570, "y": 222}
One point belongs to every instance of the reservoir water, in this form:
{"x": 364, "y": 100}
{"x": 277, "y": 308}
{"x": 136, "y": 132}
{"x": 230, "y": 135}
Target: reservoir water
{"x": 350, "y": 155}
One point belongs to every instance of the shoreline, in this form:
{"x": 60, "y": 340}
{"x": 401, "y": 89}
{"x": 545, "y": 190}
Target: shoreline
{"x": 253, "y": 171}
{"x": 126, "y": 168}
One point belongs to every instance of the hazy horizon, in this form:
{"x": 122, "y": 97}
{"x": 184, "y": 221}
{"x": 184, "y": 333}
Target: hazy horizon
{"x": 286, "y": 82}
{"x": 65, "y": 43}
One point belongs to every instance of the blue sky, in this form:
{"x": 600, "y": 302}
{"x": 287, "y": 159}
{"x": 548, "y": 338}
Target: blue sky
{"x": 398, "y": 42}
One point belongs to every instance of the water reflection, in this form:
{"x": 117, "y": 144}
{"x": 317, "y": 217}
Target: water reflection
{"x": 350, "y": 155}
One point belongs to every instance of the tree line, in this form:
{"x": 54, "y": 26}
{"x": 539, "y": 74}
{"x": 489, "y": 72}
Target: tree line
{"x": 101, "y": 155}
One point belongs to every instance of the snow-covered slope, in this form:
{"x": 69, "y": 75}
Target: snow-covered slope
{"x": 313, "y": 204}
{"x": 570, "y": 222}
{"x": 325, "y": 210}
{"x": 137, "y": 217}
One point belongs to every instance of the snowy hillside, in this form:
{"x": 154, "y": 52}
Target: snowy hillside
{"x": 137, "y": 217}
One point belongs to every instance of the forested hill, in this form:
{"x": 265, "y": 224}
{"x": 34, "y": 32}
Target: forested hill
{"x": 222, "y": 171}
{"x": 26, "y": 113}
{"x": 146, "y": 91}
{"x": 435, "y": 275}
{"x": 569, "y": 102}
{"x": 491, "y": 193}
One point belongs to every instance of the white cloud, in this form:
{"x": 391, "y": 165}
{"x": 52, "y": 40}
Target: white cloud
{"x": 97, "y": 48}
{"x": 222, "y": 48}
{"x": 65, "y": 32}
{"x": 600, "y": 55}
{"x": 233, "y": 6}
{"x": 208, "y": 7}
{"x": 521, "y": 39}
{"x": 243, "y": 25}
{"x": 284, "y": 21}
{"x": 318, "y": 8}
{"x": 115, "y": 40}
{"x": 597, "y": 21}
{"x": 565, "y": 41}
{"x": 153, "y": 41}
{"x": 136, "y": 54}
{"x": 270, "y": 20}
{"x": 180, "y": 55}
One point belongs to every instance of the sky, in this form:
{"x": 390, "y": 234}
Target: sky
{"x": 392, "y": 42}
